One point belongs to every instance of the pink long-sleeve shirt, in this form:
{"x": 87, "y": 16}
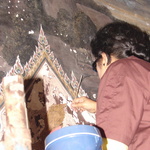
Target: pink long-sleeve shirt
{"x": 123, "y": 103}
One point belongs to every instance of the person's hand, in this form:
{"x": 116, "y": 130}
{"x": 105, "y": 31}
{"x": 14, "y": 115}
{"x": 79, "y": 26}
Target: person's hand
{"x": 84, "y": 103}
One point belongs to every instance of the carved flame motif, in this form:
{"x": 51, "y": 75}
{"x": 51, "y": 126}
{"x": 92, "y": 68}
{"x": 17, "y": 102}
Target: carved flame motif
{"x": 17, "y": 69}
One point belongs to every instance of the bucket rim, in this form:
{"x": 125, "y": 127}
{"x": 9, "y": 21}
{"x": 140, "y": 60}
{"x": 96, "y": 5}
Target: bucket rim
{"x": 68, "y": 135}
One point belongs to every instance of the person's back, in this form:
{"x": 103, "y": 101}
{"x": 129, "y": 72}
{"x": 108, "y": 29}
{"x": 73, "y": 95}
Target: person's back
{"x": 141, "y": 139}
{"x": 124, "y": 103}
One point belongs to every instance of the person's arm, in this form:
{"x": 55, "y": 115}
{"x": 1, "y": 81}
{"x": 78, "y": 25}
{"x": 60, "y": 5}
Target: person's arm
{"x": 110, "y": 144}
{"x": 84, "y": 103}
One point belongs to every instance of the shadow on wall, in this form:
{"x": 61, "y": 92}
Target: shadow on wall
{"x": 37, "y": 114}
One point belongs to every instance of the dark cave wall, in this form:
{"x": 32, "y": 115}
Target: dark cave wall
{"x": 69, "y": 26}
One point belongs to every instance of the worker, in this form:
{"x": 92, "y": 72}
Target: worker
{"x": 122, "y": 108}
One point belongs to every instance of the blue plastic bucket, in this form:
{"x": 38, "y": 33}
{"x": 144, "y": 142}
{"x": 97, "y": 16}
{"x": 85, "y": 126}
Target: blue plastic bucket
{"x": 77, "y": 137}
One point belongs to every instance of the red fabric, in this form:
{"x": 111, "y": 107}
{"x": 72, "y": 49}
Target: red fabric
{"x": 123, "y": 103}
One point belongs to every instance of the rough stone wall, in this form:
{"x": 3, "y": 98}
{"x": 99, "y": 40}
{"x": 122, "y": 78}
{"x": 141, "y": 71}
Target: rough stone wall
{"x": 69, "y": 26}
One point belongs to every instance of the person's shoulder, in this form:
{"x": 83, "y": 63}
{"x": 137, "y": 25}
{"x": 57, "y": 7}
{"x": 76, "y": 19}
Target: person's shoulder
{"x": 131, "y": 67}
{"x": 131, "y": 62}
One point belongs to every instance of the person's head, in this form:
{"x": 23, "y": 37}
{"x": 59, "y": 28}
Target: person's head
{"x": 119, "y": 40}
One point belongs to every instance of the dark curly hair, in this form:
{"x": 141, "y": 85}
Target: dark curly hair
{"x": 121, "y": 40}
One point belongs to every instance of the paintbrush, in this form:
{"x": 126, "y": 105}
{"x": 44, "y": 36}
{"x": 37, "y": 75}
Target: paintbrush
{"x": 78, "y": 88}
